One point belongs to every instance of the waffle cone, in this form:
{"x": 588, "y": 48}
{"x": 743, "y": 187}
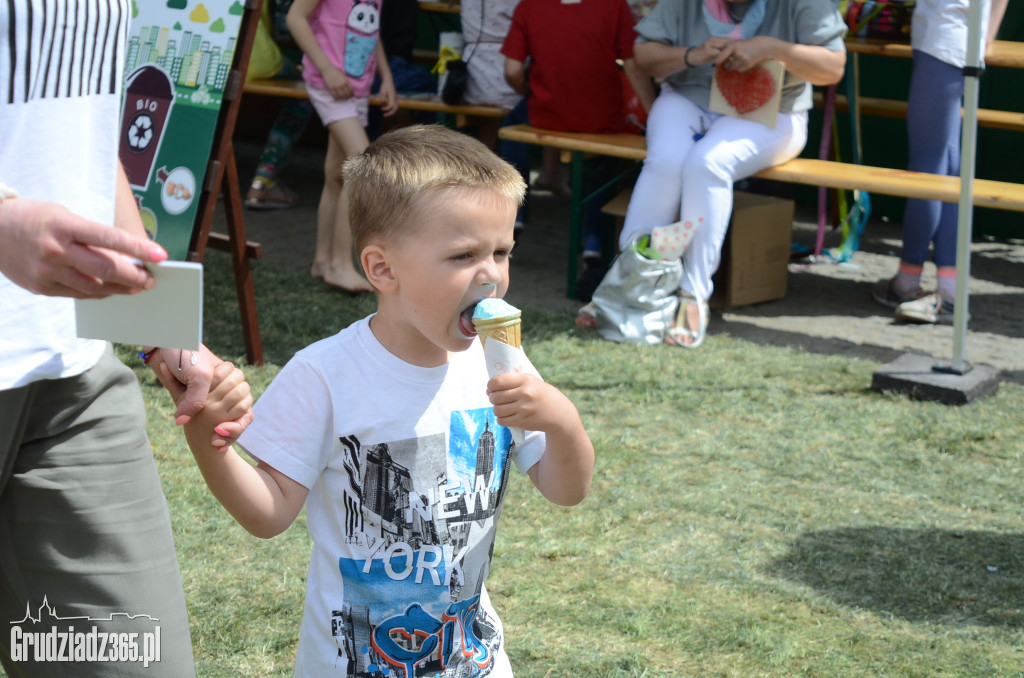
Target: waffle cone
{"x": 506, "y": 330}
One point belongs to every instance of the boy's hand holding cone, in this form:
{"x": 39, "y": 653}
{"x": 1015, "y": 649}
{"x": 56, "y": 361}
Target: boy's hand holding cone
{"x": 495, "y": 319}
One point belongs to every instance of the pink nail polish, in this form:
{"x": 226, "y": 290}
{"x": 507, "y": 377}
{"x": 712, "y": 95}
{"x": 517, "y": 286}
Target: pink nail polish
{"x": 157, "y": 254}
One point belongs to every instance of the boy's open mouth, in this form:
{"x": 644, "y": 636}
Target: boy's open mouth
{"x": 466, "y": 321}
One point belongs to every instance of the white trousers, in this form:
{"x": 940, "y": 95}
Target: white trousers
{"x": 691, "y": 180}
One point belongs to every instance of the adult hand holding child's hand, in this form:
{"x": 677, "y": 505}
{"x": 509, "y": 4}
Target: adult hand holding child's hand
{"x": 189, "y": 376}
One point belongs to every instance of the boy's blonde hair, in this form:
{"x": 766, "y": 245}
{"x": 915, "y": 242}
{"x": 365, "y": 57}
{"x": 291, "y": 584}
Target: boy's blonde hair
{"x": 410, "y": 164}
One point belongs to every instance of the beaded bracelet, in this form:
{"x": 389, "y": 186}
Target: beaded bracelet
{"x": 6, "y": 192}
{"x": 148, "y": 355}
{"x": 686, "y": 57}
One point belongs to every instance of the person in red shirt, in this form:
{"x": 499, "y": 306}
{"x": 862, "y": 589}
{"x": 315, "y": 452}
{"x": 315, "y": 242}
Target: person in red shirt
{"x": 572, "y": 83}
{"x": 561, "y": 55}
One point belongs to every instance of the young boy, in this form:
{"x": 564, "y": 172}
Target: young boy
{"x": 391, "y": 433}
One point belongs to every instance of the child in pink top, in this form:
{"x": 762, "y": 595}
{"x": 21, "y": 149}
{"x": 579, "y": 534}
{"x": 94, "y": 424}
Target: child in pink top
{"x": 343, "y": 52}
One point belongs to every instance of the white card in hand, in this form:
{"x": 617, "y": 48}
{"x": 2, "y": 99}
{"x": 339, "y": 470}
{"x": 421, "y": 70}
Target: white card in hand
{"x": 169, "y": 315}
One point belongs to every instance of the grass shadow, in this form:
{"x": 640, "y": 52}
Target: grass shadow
{"x": 920, "y": 575}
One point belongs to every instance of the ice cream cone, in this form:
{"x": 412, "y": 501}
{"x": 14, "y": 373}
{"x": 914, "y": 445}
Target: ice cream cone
{"x": 505, "y": 329}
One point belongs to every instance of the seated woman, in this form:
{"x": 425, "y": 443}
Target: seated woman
{"x": 694, "y": 155}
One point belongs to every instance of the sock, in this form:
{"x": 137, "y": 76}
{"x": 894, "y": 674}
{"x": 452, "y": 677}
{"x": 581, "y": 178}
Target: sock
{"x": 947, "y": 282}
{"x": 907, "y": 279}
{"x": 264, "y": 178}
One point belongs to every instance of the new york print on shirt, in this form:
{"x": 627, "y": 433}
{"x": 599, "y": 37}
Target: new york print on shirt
{"x": 420, "y": 519}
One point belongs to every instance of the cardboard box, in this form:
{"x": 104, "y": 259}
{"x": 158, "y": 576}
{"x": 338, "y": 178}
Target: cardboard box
{"x": 755, "y": 257}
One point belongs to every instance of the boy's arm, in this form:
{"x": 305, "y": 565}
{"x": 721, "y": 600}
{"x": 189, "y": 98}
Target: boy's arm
{"x": 564, "y": 471}
{"x": 515, "y": 75}
{"x": 263, "y": 500}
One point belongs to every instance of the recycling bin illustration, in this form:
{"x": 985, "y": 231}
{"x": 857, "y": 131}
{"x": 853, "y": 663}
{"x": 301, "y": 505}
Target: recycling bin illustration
{"x": 148, "y": 98}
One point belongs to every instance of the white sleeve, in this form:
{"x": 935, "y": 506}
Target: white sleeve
{"x": 531, "y": 451}
{"x": 293, "y": 423}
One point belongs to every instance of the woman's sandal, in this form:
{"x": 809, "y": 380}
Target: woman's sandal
{"x": 679, "y": 333}
{"x": 586, "y": 316}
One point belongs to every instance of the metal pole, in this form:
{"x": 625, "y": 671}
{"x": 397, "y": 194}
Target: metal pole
{"x": 968, "y": 143}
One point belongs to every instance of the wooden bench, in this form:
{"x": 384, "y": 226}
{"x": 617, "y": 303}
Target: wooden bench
{"x": 296, "y": 89}
{"x": 892, "y": 108}
{"x": 1004, "y": 53}
{"x": 1000, "y": 53}
{"x": 807, "y": 171}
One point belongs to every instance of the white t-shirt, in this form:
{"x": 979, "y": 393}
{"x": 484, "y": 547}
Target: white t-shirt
{"x": 406, "y": 469}
{"x": 59, "y": 117}
{"x": 939, "y": 28}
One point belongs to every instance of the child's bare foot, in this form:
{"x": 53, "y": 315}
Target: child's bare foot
{"x": 350, "y": 281}
{"x": 554, "y": 183}
{"x": 317, "y": 270}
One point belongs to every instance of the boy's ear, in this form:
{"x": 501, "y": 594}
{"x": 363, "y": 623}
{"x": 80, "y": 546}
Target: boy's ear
{"x": 377, "y": 269}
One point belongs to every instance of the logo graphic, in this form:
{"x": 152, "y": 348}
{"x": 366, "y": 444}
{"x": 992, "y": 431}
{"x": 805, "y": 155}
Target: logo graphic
{"x": 63, "y": 639}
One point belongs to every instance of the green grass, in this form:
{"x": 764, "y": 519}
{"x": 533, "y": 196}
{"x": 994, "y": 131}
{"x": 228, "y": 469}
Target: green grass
{"x": 756, "y": 511}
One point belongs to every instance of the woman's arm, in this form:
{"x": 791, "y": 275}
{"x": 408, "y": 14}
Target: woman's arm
{"x": 640, "y": 82}
{"x": 811, "y": 63}
{"x": 659, "y": 60}
{"x": 126, "y": 210}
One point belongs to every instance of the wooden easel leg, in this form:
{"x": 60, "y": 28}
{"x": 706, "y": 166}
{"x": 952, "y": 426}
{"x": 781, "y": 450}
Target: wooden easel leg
{"x": 240, "y": 262}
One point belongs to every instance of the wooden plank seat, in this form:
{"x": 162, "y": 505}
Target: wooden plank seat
{"x": 1002, "y": 53}
{"x": 892, "y": 108}
{"x": 296, "y": 89}
{"x": 807, "y": 171}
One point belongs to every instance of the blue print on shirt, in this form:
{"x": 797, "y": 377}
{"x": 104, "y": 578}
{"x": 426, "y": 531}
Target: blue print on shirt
{"x": 361, "y": 36}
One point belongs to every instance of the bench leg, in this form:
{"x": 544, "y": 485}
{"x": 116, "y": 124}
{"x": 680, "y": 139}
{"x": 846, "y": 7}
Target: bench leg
{"x": 582, "y": 197}
{"x": 575, "y": 222}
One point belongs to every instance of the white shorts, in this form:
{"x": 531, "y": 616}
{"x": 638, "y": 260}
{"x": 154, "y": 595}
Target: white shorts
{"x": 332, "y": 110}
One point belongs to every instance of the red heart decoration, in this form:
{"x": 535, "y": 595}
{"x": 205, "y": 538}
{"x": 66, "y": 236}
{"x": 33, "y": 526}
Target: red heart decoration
{"x": 746, "y": 91}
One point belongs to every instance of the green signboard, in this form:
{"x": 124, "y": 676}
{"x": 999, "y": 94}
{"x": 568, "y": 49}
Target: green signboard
{"x": 179, "y": 56}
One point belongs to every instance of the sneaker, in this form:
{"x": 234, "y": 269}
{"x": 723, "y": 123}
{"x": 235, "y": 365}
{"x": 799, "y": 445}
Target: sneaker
{"x": 884, "y": 292}
{"x": 276, "y": 196}
{"x": 931, "y": 308}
